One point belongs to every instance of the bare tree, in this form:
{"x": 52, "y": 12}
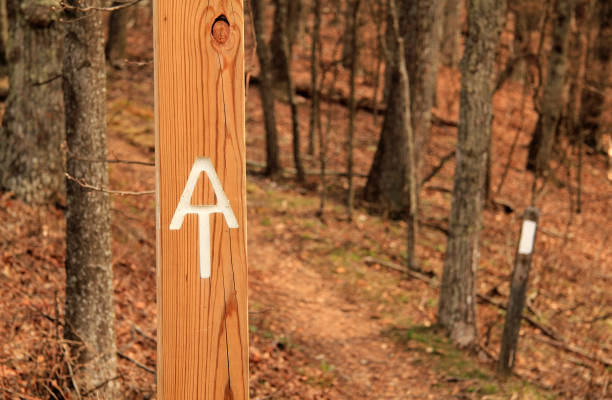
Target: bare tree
{"x": 90, "y": 315}
{"x": 451, "y": 33}
{"x": 4, "y": 37}
{"x": 315, "y": 106}
{"x": 287, "y": 26}
{"x": 422, "y": 41}
{"x": 117, "y": 35}
{"x": 31, "y": 159}
{"x": 353, "y": 60}
{"x": 552, "y": 101}
{"x": 457, "y": 313}
{"x": 597, "y": 74}
{"x": 388, "y": 178}
{"x": 273, "y": 166}
{"x": 284, "y": 59}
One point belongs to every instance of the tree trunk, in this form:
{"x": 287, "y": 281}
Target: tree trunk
{"x": 31, "y": 158}
{"x": 295, "y": 21}
{"x": 553, "y": 100}
{"x": 598, "y": 72}
{"x": 451, "y": 34}
{"x": 354, "y": 59}
{"x": 287, "y": 22}
{"x": 457, "y": 313}
{"x": 422, "y": 41}
{"x": 4, "y": 37}
{"x": 420, "y": 29}
{"x": 577, "y": 66}
{"x": 315, "y": 107}
{"x": 273, "y": 166}
{"x": 277, "y": 50}
{"x": 295, "y": 123}
{"x": 347, "y": 37}
{"x": 117, "y": 33}
{"x": 388, "y": 179}
{"x": 90, "y": 315}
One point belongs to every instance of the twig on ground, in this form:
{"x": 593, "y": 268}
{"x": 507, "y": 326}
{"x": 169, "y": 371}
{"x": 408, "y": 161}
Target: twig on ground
{"x": 561, "y": 344}
{"x": 100, "y": 385}
{"x": 139, "y": 331}
{"x": 399, "y": 268}
{"x": 69, "y": 364}
{"x": 557, "y": 340}
{"x": 136, "y": 363}
{"x": 20, "y": 395}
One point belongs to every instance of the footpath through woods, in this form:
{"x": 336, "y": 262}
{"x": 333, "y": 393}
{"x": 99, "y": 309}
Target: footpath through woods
{"x": 324, "y": 323}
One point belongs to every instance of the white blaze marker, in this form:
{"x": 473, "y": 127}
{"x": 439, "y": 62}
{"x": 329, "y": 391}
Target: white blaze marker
{"x": 527, "y": 237}
{"x": 184, "y": 207}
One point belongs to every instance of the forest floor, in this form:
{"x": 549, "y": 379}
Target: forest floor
{"x": 329, "y": 319}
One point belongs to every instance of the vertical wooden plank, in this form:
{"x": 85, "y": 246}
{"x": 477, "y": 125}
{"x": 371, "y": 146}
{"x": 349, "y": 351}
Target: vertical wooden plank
{"x": 199, "y": 100}
{"x": 518, "y": 290}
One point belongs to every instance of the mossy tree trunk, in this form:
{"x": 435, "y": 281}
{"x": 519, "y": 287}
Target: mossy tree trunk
{"x": 457, "y": 313}
{"x": 90, "y": 316}
{"x": 31, "y": 158}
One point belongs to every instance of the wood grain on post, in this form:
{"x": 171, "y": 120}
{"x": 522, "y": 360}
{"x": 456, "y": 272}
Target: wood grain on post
{"x": 518, "y": 289}
{"x": 199, "y": 99}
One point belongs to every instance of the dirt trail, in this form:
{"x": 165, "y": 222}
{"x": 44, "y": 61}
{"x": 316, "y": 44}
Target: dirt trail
{"x": 327, "y": 327}
{"x": 330, "y": 328}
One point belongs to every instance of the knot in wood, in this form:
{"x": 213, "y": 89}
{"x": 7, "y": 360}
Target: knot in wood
{"x": 221, "y": 29}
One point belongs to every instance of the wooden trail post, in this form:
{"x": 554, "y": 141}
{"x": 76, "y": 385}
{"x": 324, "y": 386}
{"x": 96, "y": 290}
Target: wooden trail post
{"x": 518, "y": 289}
{"x": 201, "y": 200}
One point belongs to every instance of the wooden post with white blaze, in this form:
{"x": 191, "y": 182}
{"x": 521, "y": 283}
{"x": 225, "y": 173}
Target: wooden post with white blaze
{"x": 518, "y": 290}
{"x": 201, "y": 200}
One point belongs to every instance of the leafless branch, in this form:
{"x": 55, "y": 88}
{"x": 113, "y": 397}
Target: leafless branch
{"x": 100, "y": 386}
{"x": 104, "y": 190}
{"x": 115, "y": 161}
{"x": 438, "y": 167}
{"x": 108, "y": 9}
{"x": 69, "y": 364}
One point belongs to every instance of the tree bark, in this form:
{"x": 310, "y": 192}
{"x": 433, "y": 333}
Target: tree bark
{"x": 598, "y": 70}
{"x": 354, "y": 59}
{"x": 117, "y": 34}
{"x": 277, "y": 49}
{"x": 388, "y": 179}
{"x": 282, "y": 20}
{"x": 273, "y": 166}
{"x": 553, "y": 100}
{"x": 422, "y": 41}
{"x": 90, "y": 315}
{"x": 315, "y": 107}
{"x": 420, "y": 28}
{"x": 31, "y": 158}
{"x": 451, "y": 33}
{"x": 4, "y": 37}
{"x": 457, "y": 313}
